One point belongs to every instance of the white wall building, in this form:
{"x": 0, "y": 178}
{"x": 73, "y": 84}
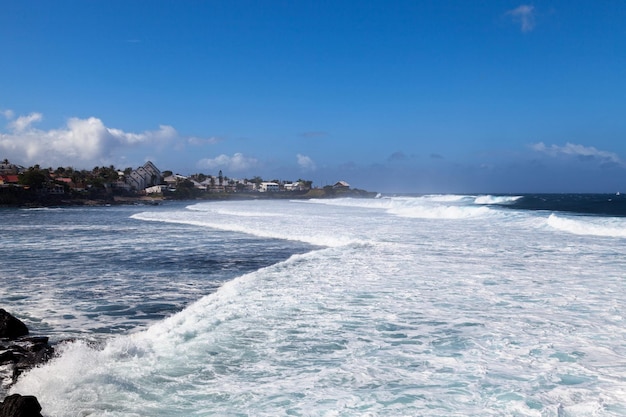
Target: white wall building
{"x": 293, "y": 186}
{"x": 144, "y": 177}
{"x": 269, "y": 187}
{"x": 156, "y": 189}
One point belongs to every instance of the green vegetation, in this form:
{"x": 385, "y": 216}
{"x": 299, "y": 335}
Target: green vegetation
{"x": 36, "y": 186}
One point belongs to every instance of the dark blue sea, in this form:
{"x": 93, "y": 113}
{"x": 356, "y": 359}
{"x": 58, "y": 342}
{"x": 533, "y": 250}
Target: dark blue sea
{"x": 433, "y": 305}
{"x": 588, "y": 204}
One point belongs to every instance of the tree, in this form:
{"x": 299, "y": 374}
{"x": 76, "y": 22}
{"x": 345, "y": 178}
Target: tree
{"x": 185, "y": 190}
{"x": 34, "y": 177}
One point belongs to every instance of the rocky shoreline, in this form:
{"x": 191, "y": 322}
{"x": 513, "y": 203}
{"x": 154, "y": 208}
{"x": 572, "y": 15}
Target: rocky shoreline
{"x": 26, "y": 200}
{"x": 19, "y": 352}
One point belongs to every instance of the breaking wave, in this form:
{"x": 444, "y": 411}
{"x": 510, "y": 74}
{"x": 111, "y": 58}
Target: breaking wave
{"x": 592, "y": 226}
{"x": 490, "y": 199}
{"x": 449, "y": 207}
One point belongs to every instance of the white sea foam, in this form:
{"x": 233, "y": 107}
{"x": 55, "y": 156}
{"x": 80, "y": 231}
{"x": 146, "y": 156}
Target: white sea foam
{"x": 445, "y": 198}
{"x": 425, "y": 207}
{"x": 439, "y": 211}
{"x": 400, "y": 315}
{"x": 376, "y": 203}
{"x": 587, "y": 225}
{"x": 491, "y": 199}
{"x": 262, "y": 225}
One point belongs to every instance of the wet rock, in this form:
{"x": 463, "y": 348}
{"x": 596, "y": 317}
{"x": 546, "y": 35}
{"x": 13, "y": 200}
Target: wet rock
{"x": 19, "y": 353}
{"x": 10, "y": 326}
{"x": 17, "y": 405}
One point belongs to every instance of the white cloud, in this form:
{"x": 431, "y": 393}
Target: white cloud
{"x": 237, "y": 162}
{"x": 525, "y": 16}
{"x": 24, "y": 122}
{"x": 203, "y": 141}
{"x": 8, "y": 114}
{"x": 570, "y": 149}
{"x": 305, "y": 163}
{"x": 164, "y": 133}
{"x": 80, "y": 143}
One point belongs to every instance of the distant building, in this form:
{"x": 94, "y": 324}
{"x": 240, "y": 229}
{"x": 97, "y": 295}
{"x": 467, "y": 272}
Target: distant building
{"x": 341, "y": 185}
{"x": 269, "y": 187}
{"x": 156, "y": 189}
{"x": 9, "y": 179}
{"x": 292, "y": 186}
{"x": 199, "y": 185}
{"x": 8, "y": 168}
{"x": 245, "y": 185}
{"x": 144, "y": 177}
{"x": 56, "y": 189}
{"x": 118, "y": 185}
{"x": 174, "y": 180}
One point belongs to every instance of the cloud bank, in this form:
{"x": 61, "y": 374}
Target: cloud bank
{"x": 579, "y": 151}
{"x": 305, "y": 162}
{"x": 525, "y": 16}
{"x": 82, "y": 143}
{"x": 236, "y": 163}
{"x": 397, "y": 156}
{"x": 23, "y": 122}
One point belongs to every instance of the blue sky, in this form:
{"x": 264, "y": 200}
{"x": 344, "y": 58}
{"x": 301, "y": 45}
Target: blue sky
{"x": 392, "y": 96}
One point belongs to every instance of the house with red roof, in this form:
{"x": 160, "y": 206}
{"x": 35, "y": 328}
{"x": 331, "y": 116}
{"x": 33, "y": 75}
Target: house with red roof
{"x": 9, "y": 179}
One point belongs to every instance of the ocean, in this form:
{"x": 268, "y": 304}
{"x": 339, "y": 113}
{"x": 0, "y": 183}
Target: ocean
{"x": 435, "y": 305}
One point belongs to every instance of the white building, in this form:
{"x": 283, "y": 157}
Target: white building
{"x": 199, "y": 185}
{"x": 342, "y": 185}
{"x": 156, "y": 189}
{"x": 8, "y": 168}
{"x": 269, "y": 187}
{"x": 144, "y": 177}
{"x": 174, "y": 180}
{"x": 293, "y": 186}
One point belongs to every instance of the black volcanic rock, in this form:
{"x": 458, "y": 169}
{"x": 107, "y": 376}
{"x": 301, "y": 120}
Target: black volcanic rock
{"x": 11, "y": 327}
{"x": 19, "y": 353}
{"x": 17, "y": 405}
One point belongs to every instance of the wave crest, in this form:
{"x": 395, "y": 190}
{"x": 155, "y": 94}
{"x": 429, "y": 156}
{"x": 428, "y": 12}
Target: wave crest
{"x": 444, "y": 206}
{"x": 493, "y": 199}
{"x": 607, "y": 227}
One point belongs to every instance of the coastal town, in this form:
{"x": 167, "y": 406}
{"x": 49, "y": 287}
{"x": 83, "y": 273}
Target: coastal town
{"x": 67, "y": 186}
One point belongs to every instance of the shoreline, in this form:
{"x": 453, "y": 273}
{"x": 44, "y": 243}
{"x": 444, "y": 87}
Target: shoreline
{"x": 20, "y": 352}
{"x": 34, "y": 201}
